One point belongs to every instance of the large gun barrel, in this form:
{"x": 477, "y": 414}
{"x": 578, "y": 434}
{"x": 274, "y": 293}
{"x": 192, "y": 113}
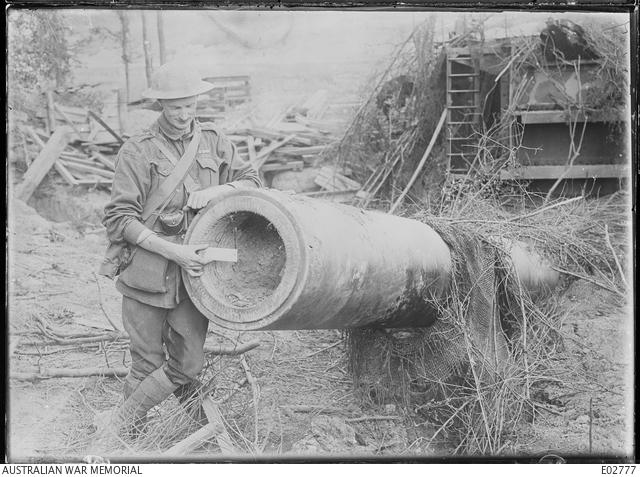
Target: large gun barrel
{"x": 310, "y": 264}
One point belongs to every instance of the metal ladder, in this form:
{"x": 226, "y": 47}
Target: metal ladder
{"x": 463, "y": 109}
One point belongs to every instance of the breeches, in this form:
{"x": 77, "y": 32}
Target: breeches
{"x": 182, "y": 330}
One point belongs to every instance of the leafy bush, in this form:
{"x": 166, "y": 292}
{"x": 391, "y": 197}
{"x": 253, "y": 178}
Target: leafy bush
{"x": 38, "y": 56}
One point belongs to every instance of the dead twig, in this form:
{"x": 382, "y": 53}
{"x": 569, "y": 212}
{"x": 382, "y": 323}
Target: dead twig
{"x": 82, "y": 340}
{"x": 590, "y": 280}
{"x": 312, "y": 408}
{"x": 373, "y": 418}
{"x": 104, "y": 312}
{"x": 544, "y": 209}
{"x": 255, "y": 390}
{"x": 615, "y": 256}
{"x": 323, "y": 349}
{"x": 235, "y": 350}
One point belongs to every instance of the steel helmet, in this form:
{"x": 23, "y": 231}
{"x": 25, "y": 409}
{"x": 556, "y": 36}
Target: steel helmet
{"x": 174, "y": 81}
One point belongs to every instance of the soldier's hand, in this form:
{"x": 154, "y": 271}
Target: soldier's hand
{"x": 187, "y": 257}
{"x": 200, "y": 198}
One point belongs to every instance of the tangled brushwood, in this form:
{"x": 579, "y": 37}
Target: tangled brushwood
{"x": 475, "y": 373}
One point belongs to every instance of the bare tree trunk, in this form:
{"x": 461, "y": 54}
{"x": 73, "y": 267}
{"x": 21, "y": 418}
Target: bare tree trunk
{"x": 146, "y": 47}
{"x": 126, "y": 57}
{"x": 161, "y": 40}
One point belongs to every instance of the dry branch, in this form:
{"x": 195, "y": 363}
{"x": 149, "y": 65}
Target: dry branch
{"x": 373, "y": 418}
{"x": 255, "y": 390}
{"x": 46, "y": 373}
{"x": 104, "y": 312}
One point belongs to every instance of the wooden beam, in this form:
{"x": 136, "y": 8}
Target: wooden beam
{"x": 98, "y": 156}
{"x": 562, "y": 116}
{"x": 51, "y": 116}
{"x": 286, "y": 166}
{"x": 302, "y": 151}
{"x": 192, "y": 442}
{"x": 575, "y": 172}
{"x": 106, "y": 126}
{"x": 263, "y": 155}
{"x": 328, "y": 178}
{"x": 64, "y": 173}
{"x": 251, "y": 149}
{"x": 43, "y": 163}
{"x": 215, "y": 419}
{"x": 67, "y": 119}
{"x": 90, "y": 169}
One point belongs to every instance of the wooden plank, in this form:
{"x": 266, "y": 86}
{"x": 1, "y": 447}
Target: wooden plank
{"x": 66, "y": 175}
{"x": 559, "y": 116}
{"x": 95, "y": 181}
{"x": 51, "y": 117}
{"x": 192, "y": 442}
{"x": 575, "y": 172}
{"x": 328, "y": 178}
{"x": 302, "y": 151}
{"x": 106, "y": 126}
{"x": 280, "y": 166}
{"x": 67, "y": 119}
{"x": 72, "y": 110}
{"x": 262, "y": 156}
{"x": 103, "y": 160}
{"x": 215, "y": 418}
{"x": 85, "y": 161}
{"x": 333, "y": 196}
{"x": 91, "y": 169}
{"x": 251, "y": 148}
{"x": 43, "y": 163}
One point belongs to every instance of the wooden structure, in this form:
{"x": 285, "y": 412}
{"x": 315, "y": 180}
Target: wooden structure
{"x": 556, "y": 140}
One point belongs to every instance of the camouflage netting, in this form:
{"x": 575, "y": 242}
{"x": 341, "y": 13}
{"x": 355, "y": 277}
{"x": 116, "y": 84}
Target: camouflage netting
{"x": 394, "y": 365}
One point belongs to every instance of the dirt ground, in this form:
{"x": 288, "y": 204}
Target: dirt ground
{"x": 306, "y": 402}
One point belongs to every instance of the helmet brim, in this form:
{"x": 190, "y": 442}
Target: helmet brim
{"x": 196, "y": 90}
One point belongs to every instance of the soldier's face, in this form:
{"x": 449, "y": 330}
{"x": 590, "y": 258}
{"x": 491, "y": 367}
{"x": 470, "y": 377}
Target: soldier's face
{"x": 179, "y": 112}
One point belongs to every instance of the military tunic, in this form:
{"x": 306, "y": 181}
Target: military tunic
{"x": 163, "y": 316}
{"x": 141, "y": 167}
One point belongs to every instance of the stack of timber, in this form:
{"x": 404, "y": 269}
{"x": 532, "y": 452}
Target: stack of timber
{"x": 297, "y": 138}
{"x": 294, "y": 139}
{"x": 78, "y": 162}
{"x": 78, "y": 143}
{"x": 228, "y": 92}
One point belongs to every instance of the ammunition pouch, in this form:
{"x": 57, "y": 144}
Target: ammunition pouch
{"x": 173, "y": 223}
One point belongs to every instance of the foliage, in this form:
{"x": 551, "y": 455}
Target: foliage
{"x": 38, "y": 56}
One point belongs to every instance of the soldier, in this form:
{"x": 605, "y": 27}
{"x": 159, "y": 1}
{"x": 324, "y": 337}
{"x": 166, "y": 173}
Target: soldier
{"x": 146, "y": 219}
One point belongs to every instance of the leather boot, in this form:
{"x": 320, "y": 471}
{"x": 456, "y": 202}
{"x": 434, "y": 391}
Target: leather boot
{"x": 190, "y": 396}
{"x": 130, "y": 385}
{"x": 154, "y": 389}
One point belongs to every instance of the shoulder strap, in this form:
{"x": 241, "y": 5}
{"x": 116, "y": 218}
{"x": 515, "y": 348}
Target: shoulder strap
{"x": 188, "y": 180}
{"x": 178, "y": 174}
